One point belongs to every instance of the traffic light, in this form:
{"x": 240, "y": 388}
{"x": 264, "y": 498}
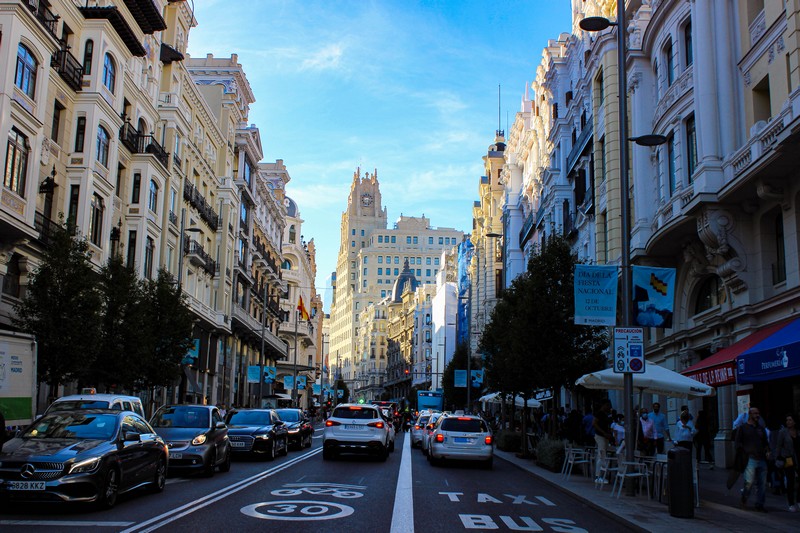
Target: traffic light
{"x": 406, "y": 371}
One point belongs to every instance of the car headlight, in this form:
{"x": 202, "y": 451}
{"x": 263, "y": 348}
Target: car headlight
{"x": 262, "y": 436}
{"x": 294, "y": 430}
{"x": 198, "y": 440}
{"x": 89, "y": 465}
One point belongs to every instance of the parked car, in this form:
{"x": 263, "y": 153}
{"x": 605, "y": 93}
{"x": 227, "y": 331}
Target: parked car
{"x": 299, "y": 426}
{"x": 258, "y": 432}
{"x": 114, "y": 402}
{"x": 418, "y": 430}
{"x": 354, "y": 428}
{"x": 83, "y": 456}
{"x": 196, "y": 436}
{"x": 426, "y": 435}
{"x": 387, "y": 416}
{"x": 462, "y": 437}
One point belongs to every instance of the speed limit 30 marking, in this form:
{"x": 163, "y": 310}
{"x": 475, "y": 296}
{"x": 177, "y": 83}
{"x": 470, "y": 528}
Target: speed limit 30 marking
{"x": 297, "y": 510}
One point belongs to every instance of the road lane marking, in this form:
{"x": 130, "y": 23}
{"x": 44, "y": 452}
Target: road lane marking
{"x": 63, "y": 523}
{"x": 403, "y": 512}
{"x": 188, "y": 508}
{"x": 298, "y": 510}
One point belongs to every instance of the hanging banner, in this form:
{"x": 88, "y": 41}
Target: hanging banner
{"x": 653, "y": 296}
{"x": 316, "y": 389}
{"x": 460, "y": 378}
{"x": 193, "y": 354}
{"x": 339, "y": 393}
{"x": 288, "y": 382}
{"x": 476, "y": 378}
{"x": 253, "y": 374}
{"x": 269, "y": 374}
{"x": 595, "y": 290}
{"x": 301, "y": 382}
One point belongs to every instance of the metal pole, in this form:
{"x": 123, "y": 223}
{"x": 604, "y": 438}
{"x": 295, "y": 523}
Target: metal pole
{"x": 625, "y": 225}
{"x": 183, "y": 384}
{"x": 261, "y": 354}
{"x": 469, "y": 330}
{"x": 294, "y": 383}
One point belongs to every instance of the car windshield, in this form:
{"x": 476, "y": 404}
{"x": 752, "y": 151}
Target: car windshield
{"x": 289, "y": 415}
{"x": 249, "y": 418}
{"x": 466, "y": 425}
{"x": 181, "y": 416}
{"x": 84, "y": 426}
{"x": 72, "y": 405}
{"x": 423, "y": 420}
{"x": 359, "y": 413}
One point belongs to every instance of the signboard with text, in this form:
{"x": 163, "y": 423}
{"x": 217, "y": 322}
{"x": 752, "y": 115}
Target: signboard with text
{"x": 595, "y": 290}
{"x": 629, "y": 350}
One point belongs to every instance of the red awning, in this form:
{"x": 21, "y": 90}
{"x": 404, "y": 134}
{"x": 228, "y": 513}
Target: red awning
{"x": 719, "y": 369}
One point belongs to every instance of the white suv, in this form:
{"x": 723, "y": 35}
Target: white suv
{"x": 461, "y": 437}
{"x": 355, "y": 428}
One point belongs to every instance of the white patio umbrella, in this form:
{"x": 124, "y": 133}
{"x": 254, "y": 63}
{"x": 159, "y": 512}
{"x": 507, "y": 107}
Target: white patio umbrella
{"x": 655, "y": 380}
{"x": 496, "y": 397}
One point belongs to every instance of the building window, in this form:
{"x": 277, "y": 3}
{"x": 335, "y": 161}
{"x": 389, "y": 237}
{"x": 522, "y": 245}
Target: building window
{"x": 136, "y": 188}
{"x": 671, "y": 165}
{"x": 416, "y": 240}
{"x": 72, "y": 210}
{"x": 430, "y": 240}
{"x": 149, "y": 251}
{"x": 687, "y": 43}
{"x": 103, "y": 141}
{"x": 779, "y": 266}
{"x": 109, "y": 73}
{"x": 441, "y": 240}
{"x": 12, "y": 277}
{"x": 393, "y": 239}
{"x": 16, "y": 169}
{"x": 408, "y": 239}
{"x": 670, "y": 61}
{"x": 691, "y": 147}
{"x": 88, "y": 52}
{"x": 25, "y": 77}
{"x": 132, "y": 249}
{"x": 710, "y": 294}
{"x": 380, "y": 239}
{"x": 152, "y": 199}
{"x": 292, "y": 234}
{"x": 56, "y": 128}
{"x": 380, "y": 259}
{"x": 80, "y": 134}
{"x": 96, "y": 220}
{"x": 601, "y": 90}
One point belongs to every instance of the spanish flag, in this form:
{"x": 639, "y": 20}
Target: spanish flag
{"x": 303, "y": 310}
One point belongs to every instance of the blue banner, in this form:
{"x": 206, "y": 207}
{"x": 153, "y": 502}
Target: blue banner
{"x": 316, "y": 389}
{"x": 595, "y": 290}
{"x": 253, "y": 374}
{"x": 301, "y": 382}
{"x": 288, "y": 382}
{"x": 339, "y": 393}
{"x": 269, "y": 374}
{"x": 476, "y": 378}
{"x": 460, "y": 378}
{"x": 653, "y": 296}
{"x": 776, "y": 357}
{"x": 193, "y": 354}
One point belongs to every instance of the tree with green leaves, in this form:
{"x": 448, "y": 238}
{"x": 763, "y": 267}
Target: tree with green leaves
{"x": 62, "y": 308}
{"x": 455, "y": 397}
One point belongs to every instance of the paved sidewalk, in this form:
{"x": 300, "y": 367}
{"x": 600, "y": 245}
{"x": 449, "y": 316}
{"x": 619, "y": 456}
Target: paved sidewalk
{"x": 718, "y": 509}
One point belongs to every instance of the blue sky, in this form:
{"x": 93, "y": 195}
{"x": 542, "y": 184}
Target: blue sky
{"x": 407, "y": 87}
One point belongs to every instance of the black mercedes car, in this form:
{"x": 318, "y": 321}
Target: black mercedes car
{"x": 300, "y": 429}
{"x": 257, "y": 431}
{"x": 83, "y": 456}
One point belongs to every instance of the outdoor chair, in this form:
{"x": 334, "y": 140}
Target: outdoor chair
{"x": 575, "y": 456}
{"x": 608, "y": 469}
{"x": 635, "y": 470}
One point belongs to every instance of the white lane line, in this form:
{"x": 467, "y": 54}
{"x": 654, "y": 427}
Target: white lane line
{"x": 188, "y": 508}
{"x": 63, "y": 523}
{"x": 403, "y": 512}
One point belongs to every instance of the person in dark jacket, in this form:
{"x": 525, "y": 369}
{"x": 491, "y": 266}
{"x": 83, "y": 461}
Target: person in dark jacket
{"x": 787, "y": 449}
{"x": 752, "y": 440}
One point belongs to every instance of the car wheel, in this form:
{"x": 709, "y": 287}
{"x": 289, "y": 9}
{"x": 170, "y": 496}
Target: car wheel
{"x": 160, "y": 477}
{"x": 209, "y": 468}
{"x": 272, "y": 451}
{"x": 226, "y": 464}
{"x": 384, "y": 454}
{"x": 285, "y": 451}
{"x": 327, "y": 454}
{"x": 391, "y": 446}
{"x": 308, "y": 440}
{"x": 110, "y": 489}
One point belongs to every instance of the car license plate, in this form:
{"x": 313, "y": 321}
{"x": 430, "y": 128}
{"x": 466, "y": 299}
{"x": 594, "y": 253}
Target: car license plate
{"x": 354, "y": 426}
{"x": 462, "y": 440}
{"x": 237, "y": 444}
{"x": 26, "y": 485}
{"x": 173, "y": 455}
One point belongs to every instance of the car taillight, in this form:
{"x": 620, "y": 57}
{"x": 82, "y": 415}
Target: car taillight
{"x": 488, "y": 439}
{"x": 378, "y": 425}
{"x": 416, "y": 427}
{"x": 329, "y": 423}
{"x": 439, "y": 437}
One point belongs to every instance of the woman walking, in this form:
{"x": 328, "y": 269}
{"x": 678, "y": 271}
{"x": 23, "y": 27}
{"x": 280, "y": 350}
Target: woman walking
{"x": 787, "y": 450}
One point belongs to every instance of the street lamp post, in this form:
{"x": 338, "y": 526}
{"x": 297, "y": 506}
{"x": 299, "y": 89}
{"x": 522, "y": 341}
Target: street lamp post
{"x": 599, "y": 24}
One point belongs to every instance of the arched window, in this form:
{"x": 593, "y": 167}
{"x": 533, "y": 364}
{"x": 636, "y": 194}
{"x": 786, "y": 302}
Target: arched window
{"x": 710, "y": 294}
{"x": 109, "y": 73}
{"x": 96, "y": 220}
{"x": 286, "y": 265}
{"x": 292, "y": 234}
{"x": 103, "y": 140}
{"x": 88, "y": 53}
{"x": 152, "y": 201}
{"x": 25, "y": 77}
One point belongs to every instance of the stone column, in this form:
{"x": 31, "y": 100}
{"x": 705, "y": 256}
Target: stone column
{"x": 723, "y": 445}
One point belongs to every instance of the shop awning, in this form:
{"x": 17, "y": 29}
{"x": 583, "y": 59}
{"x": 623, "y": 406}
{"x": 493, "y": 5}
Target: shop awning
{"x": 775, "y": 357}
{"x": 720, "y": 368}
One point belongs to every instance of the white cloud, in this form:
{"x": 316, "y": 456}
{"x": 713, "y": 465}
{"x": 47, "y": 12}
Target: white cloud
{"x": 328, "y": 57}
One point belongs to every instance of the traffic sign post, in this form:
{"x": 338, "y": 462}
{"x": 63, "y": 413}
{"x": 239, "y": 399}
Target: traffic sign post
{"x": 629, "y": 350}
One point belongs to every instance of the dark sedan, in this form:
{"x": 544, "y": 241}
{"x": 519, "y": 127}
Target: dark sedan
{"x": 83, "y": 456}
{"x": 258, "y": 431}
{"x": 299, "y": 426}
{"x": 196, "y": 436}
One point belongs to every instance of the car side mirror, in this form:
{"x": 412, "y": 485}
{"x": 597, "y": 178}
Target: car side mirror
{"x": 220, "y": 425}
{"x": 130, "y": 436}
{"x": 279, "y": 423}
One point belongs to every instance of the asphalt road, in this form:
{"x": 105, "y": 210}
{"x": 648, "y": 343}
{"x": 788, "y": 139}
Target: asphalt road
{"x": 301, "y": 492}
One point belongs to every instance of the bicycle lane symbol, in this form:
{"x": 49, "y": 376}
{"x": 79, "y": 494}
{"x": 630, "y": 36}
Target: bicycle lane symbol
{"x": 306, "y": 510}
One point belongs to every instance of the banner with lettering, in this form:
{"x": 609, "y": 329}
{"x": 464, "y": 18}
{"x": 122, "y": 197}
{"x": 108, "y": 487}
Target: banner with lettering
{"x": 653, "y": 296}
{"x": 595, "y": 290}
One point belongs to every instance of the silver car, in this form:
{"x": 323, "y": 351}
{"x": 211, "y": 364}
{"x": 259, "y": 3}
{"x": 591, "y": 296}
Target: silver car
{"x": 462, "y": 437}
{"x": 428, "y": 431}
{"x": 418, "y": 430}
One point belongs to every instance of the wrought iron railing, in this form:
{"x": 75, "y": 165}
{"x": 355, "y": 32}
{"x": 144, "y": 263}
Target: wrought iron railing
{"x": 192, "y": 247}
{"x": 45, "y": 16}
{"x": 139, "y": 143}
{"x": 68, "y": 67}
{"x": 207, "y": 213}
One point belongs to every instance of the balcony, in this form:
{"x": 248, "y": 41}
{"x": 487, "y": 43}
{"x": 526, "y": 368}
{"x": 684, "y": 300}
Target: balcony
{"x": 139, "y": 143}
{"x": 254, "y": 326}
{"x": 198, "y": 201}
{"x": 68, "y": 67}
{"x": 47, "y": 228}
{"x": 199, "y": 257}
{"x": 173, "y": 218}
{"x": 524, "y": 233}
{"x": 45, "y": 16}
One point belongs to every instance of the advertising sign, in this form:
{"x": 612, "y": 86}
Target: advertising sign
{"x": 541, "y": 395}
{"x": 595, "y": 295}
{"x": 301, "y": 382}
{"x": 193, "y": 354}
{"x": 476, "y": 377}
{"x": 269, "y": 374}
{"x": 316, "y": 389}
{"x": 653, "y": 296}
{"x": 629, "y": 350}
{"x": 253, "y": 373}
{"x": 288, "y": 382}
{"x": 460, "y": 378}
{"x": 339, "y": 393}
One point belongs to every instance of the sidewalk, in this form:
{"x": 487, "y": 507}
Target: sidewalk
{"x": 718, "y": 511}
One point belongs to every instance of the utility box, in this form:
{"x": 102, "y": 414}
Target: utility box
{"x": 680, "y": 483}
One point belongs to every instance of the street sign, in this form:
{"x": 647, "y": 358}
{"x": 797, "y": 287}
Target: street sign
{"x": 543, "y": 394}
{"x": 629, "y": 350}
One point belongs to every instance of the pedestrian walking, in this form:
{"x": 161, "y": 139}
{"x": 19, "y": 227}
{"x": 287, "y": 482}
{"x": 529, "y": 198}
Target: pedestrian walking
{"x": 602, "y": 436}
{"x": 787, "y": 450}
{"x": 662, "y": 427}
{"x": 752, "y": 440}
{"x": 684, "y": 431}
{"x": 647, "y": 430}
{"x": 702, "y": 439}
